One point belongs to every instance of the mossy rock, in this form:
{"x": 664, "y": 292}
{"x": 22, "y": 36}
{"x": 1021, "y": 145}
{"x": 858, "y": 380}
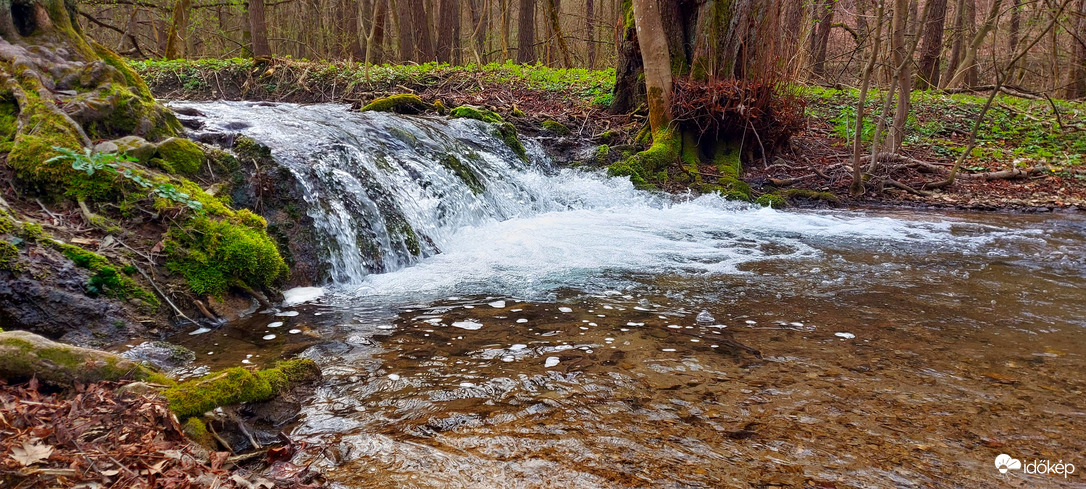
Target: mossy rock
{"x": 508, "y": 135}
{"x": 108, "y": 279}
{"x": 237, "y": 385}
{"x": 404, "y": 103}
{"x": 556, "y": 128}
{"x": 477, "y": 113}
{"x": 216, "y": 254}
{"x": 807, "y": 194}
{"x": 181, "y": 155}
{"x": 771, "y": 200}
{"x": 24, "y": 355}
{"x": 464, "y": 172}
{"x": 133, "y": 147}
{"x": 9, "y": 257}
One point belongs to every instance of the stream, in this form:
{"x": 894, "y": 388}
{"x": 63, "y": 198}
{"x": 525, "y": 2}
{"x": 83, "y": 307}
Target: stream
{"x": 540, "y": 327}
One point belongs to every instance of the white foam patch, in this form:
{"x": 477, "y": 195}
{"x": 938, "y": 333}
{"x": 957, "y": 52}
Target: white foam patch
{"x": 497, "y": 304}
{"x": 301, "y": 295}
{"x": 551, "y": 361}
{"x": 468, "y": 325}
{"x": 286, "y": 314}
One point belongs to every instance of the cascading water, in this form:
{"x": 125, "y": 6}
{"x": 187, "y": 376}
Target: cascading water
{"x": 385, "y": 190}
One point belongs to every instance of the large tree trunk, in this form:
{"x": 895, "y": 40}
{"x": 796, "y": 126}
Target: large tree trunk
{"x": 480, "y": 21}
{"x": 928, "y": 71}
{"x": 526, "y": 32}
{"x": 1076, "y": 79}
{"x": 652, "y": 40}
{"x": 258, "y": 29}
{"x": 448, "y": 37}
{"x": 44, "y": 57}
{"x": 903, "y": 76}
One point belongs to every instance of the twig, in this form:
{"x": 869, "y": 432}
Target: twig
{"x": 161, "y": 293}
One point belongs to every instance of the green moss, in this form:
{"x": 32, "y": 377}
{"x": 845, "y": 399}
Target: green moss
{"x": 9, "y": 117}
{"x": 248, "y": 148}
{"x": 215, "y": 254}
{"x": 556, "y": 127}
{"x": 237, "y": 385}
{"x": 9, "y": 257}
{"x": 477, "y": 113}
{"x": 106, "y": 279}
{"x": 196, "y": 430}
{"x": 508, "y": 135}
{"x": 802, "y": 193}
{"x": 404, "y": 103}
{"x": 440, "y": 108}
{"x": 463, "y": 172}
{"x": 771, "y": 200}
{"x": 397, "y": 226}
{"x": 181, "y": 155}
{"x": 642, "y": 167}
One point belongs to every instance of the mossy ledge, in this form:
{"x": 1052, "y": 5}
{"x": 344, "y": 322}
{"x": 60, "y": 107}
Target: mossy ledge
{"x": 404, "y": 103}
{"x": 238, "y": 385}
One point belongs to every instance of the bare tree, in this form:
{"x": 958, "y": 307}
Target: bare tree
{"x": 448, "y": 32}
{"x": 928, "y": 70}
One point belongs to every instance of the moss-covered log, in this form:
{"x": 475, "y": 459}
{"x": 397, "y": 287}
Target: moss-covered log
{"x": 238, "y": 385}
{"x": 24, "y": 355}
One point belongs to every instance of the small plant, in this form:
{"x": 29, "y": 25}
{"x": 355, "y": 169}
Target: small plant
{"x": 90, "y": 162}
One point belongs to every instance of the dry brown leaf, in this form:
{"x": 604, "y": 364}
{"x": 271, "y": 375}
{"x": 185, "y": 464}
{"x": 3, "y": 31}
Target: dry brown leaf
{"x": 31, "y": 453}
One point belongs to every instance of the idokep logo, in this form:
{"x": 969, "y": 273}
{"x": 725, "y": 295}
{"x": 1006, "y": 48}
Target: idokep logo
{"x": 1004, "y": 463}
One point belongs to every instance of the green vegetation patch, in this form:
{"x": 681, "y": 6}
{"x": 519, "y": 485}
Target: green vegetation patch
{"x": 107, "y": 279}
{"x": 180, "y": 156}
{"x": 216, "y": 254}
{"x": 556, "y": 128}
{"x": 404, "y": 103}
{"x": 477, "y": 113}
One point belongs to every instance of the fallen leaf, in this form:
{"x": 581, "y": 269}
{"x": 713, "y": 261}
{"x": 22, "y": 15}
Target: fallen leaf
{"x": 31, "y": 453}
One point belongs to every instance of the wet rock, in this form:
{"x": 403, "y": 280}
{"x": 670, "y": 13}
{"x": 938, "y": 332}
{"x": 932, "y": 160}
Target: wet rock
{"x": 133, "y": 146}
{"x": 166, "y": 356}
{"x": 231, "y": 306}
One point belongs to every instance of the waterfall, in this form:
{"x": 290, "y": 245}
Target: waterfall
{"x": 386, "y": 190}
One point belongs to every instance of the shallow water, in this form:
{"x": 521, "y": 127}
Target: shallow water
{"x": 909, "y": 357}
{"x": 609, "y": 338}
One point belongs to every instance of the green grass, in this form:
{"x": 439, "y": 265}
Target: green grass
{"x": 592, "y": 86}
{"x": 1014, "y": 131}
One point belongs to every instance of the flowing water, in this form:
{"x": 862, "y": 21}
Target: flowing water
{"x": 556, "y": 328}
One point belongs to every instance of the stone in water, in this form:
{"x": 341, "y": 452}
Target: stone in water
{"x": 705, "y": 317}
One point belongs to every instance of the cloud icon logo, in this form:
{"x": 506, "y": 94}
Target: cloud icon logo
{"x": 1004, "y": 463}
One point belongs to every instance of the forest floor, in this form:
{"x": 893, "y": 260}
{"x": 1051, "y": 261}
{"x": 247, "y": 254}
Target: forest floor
{"x": 1044, "y": 140}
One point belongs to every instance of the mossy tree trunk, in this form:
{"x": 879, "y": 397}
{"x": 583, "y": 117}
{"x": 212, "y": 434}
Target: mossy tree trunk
{"x": 64, "y": 90}
{"x": 703, "y": 41}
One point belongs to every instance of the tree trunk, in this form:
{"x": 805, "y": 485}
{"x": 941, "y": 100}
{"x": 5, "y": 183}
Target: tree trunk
{"x": 958, "y": 43}
{"x": 823, "y": 14}
{"x": 480, "y": 16}
{"x": 1015, "y": 27}
{"x": 526, "y": 32}
{"x": 352, "y": 34}
{"x": 629, "y": 89}
{"x": 177, "y": 38}
{"x": 652, "y": 40}
{"x": 1076, "y": 77}
{"x": 505, "y": 14}
{"x": 556, "y": 30}
{"x": 590, "y": 34}
{"x": 376, "y": 38}
{"x": 930, "y": 55}
{"x": 258, "y": 29}
{"x": 405, "y": 35}
{"x": 899, "y": 24}
{"x": 420, "y": 28}
{"x": 448, "y": 37}
{"x": 969, "y": 62}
